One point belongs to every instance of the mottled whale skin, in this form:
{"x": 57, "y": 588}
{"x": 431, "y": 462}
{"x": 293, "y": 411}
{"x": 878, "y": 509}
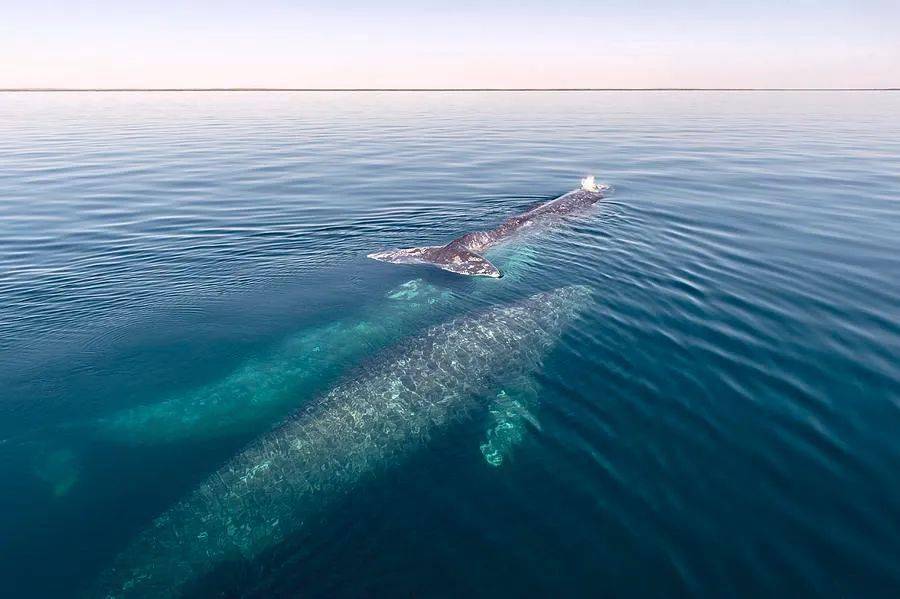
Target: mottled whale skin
{"x": 366, "y": 424}
{"x": 463, "y": 254}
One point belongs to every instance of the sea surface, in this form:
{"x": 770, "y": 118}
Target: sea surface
{"x": 179, "y": 272}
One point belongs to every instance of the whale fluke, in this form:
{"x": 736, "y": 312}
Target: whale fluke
{"x": 448, "y": 257}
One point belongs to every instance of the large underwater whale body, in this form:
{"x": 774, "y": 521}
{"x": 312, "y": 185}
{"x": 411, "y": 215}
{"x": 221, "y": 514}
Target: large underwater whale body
{"x": 364, "y": 425}
{"x": 463, "y": 254}
{"x": 267, "y": 388}
{"x": 261, "y": 391}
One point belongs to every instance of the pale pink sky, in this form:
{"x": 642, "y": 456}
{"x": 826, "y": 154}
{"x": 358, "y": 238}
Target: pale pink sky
{"x": 567, "y": 43}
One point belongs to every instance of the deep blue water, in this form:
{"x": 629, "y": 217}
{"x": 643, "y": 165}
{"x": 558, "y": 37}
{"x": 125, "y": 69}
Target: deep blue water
{"x": 721, "y": 421}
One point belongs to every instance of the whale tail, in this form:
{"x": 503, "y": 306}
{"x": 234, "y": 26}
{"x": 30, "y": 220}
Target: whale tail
{"x": 456, "y": 260}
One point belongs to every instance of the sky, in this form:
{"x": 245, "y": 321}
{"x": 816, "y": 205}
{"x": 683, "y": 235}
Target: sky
{"x": 458, "y": 44}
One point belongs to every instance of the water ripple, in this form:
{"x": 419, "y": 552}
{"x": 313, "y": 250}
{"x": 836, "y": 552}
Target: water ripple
{"x": 723, "y": 417}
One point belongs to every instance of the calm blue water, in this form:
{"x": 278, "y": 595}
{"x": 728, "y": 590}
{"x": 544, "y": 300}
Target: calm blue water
{"x": 179, "y": 271}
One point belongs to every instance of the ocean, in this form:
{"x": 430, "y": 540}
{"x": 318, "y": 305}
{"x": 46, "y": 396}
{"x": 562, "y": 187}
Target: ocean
{"x": 180, "y": 272}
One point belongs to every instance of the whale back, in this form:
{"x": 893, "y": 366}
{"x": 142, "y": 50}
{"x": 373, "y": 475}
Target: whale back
{"x": 463, "y": 254}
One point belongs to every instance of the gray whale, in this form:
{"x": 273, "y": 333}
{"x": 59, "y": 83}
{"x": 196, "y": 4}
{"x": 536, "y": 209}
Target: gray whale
{"x": 366, "y": 424}
{"x": 463, "y": 254}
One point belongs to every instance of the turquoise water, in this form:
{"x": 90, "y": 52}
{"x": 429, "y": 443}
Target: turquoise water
{"x": 179, "y": 272}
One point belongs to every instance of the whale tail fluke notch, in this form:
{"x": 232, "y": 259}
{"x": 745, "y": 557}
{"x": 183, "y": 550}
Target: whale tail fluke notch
{"x": 446, "y": 257}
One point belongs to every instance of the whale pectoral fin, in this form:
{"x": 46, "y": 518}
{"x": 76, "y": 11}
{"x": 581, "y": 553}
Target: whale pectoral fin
{"x": 422, "y": 255}
{"x": 459, "y": 261}
{"x": 510, "y": 415}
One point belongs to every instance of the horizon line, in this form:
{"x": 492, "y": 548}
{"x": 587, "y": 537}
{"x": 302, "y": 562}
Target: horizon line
{"x": 434, "y": 89}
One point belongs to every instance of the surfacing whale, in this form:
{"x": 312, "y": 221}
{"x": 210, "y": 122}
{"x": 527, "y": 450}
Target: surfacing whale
{"x": 364, "y": 425}
{"x": 463, "y": 254}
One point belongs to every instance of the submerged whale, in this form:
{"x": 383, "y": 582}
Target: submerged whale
{"x": 265, "y": 389}
{"x": 364, "y": 425}
{"x": 257, "y": 394}
{"x": 463, "y": 254}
